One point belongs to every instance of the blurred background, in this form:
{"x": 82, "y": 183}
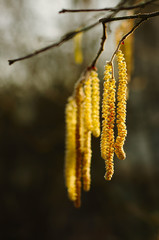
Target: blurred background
{"x": 33, "y": 94}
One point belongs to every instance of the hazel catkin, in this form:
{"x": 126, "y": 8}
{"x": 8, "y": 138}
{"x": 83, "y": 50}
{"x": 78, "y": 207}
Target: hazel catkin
{"x": 70, "y": 154}
{"x": 108, "y": 115}
{"x": 87, "y": 115}
{"x": 86, "y": 163}
{"x": 87, "y": 104}
{"x": 95, "y": 104}
{"x": 79, "y": 141}
{"x": 121, "y": 106}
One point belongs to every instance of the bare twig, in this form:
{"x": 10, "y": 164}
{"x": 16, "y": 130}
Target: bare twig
{"x": 126, "y": 35}
{"x": 65, "y": 38}
{"x": 145, "y": 16}
{"x": 101, "y": 47}
{"x": 72, "y": 34}
{"x": 104, "y": 37}
{"x": 140, "y": 5}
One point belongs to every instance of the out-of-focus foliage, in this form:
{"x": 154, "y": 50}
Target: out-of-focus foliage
{"x": 33, "y": 94}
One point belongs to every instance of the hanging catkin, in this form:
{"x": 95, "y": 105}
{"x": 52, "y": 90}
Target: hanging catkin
{"x": 70, "y": 155}
{"x": 79, "y": 141}
{"x": 95, "y": 104}
{"x": 108, "y": 115}
{"x": 121, "y": 106}
{"x": 87, "y": 104}
{"x": 87, "y": 152}
{"x": 78, "y": 48}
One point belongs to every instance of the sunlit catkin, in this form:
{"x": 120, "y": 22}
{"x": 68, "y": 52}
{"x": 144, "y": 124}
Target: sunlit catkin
{"x": 70, "y": 155}
{"x": 78, "y": 48}
{"x": 87, "y": 112}
{"x": 79, "y": 141}
{"x": 95, "y": 104}
{"x": 87, "y": 104}
{"x": 108, "y": 115}
{"x": 121, "y": 106}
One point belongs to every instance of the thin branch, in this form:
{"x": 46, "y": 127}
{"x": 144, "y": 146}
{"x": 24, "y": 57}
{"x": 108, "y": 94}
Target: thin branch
{"x": 143, "y": 16}
{"x": 104, "y": 37}
{"x": 126, "y": 35}
{"x": 65, "y": 38}
{"x": 140, "y": 5}
{"x": 72, "y": 34}
{"x": 101, "y": 47}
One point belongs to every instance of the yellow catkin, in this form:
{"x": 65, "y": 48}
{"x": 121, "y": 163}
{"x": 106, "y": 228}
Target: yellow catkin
{"x": 121, "y": 106}
{"x": 88, "y": 103}
{"x": 87, "y": 154}
{"x": 70, "y": 155}
{"x": 79, "y": 148}
{"x": 78, "y": 48}
{"x": 95, "y": 104}
{"x": 108, "y": 115}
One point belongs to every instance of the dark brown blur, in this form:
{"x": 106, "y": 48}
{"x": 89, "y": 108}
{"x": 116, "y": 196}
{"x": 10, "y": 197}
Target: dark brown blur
{"x": 33, "y": 94}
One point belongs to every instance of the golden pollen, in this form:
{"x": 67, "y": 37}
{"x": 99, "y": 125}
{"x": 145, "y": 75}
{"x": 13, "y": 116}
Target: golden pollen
{"x": 95, "y": 104}
{"x": 87, "y": 104}
{"x": 108, "y": 115}
{"x": 121, "y": 106}
{"x": 70, "y": 154}
{"x": 79, "y": 95}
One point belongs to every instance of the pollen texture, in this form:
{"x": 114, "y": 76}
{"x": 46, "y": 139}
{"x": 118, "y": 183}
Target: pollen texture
{"x": 87, "y": 154}
{"x": 70, "y": 155}
{"x": 79, "y": 142}
{"x": 108, "y": 116}
{"x": 121, "y": 106}
{"x": 88, "y": 103}
{"x": 95, "y": 104}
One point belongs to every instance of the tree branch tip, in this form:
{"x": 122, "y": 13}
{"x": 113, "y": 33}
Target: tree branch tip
{"x": 62, "y": 11}
{"x": 10, "y": 62}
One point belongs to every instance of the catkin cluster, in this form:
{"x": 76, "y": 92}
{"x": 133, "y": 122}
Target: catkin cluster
{"x": 83, "y": 120}
{"x": 108, "y": 143}
{"x": 86, "y": 119}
